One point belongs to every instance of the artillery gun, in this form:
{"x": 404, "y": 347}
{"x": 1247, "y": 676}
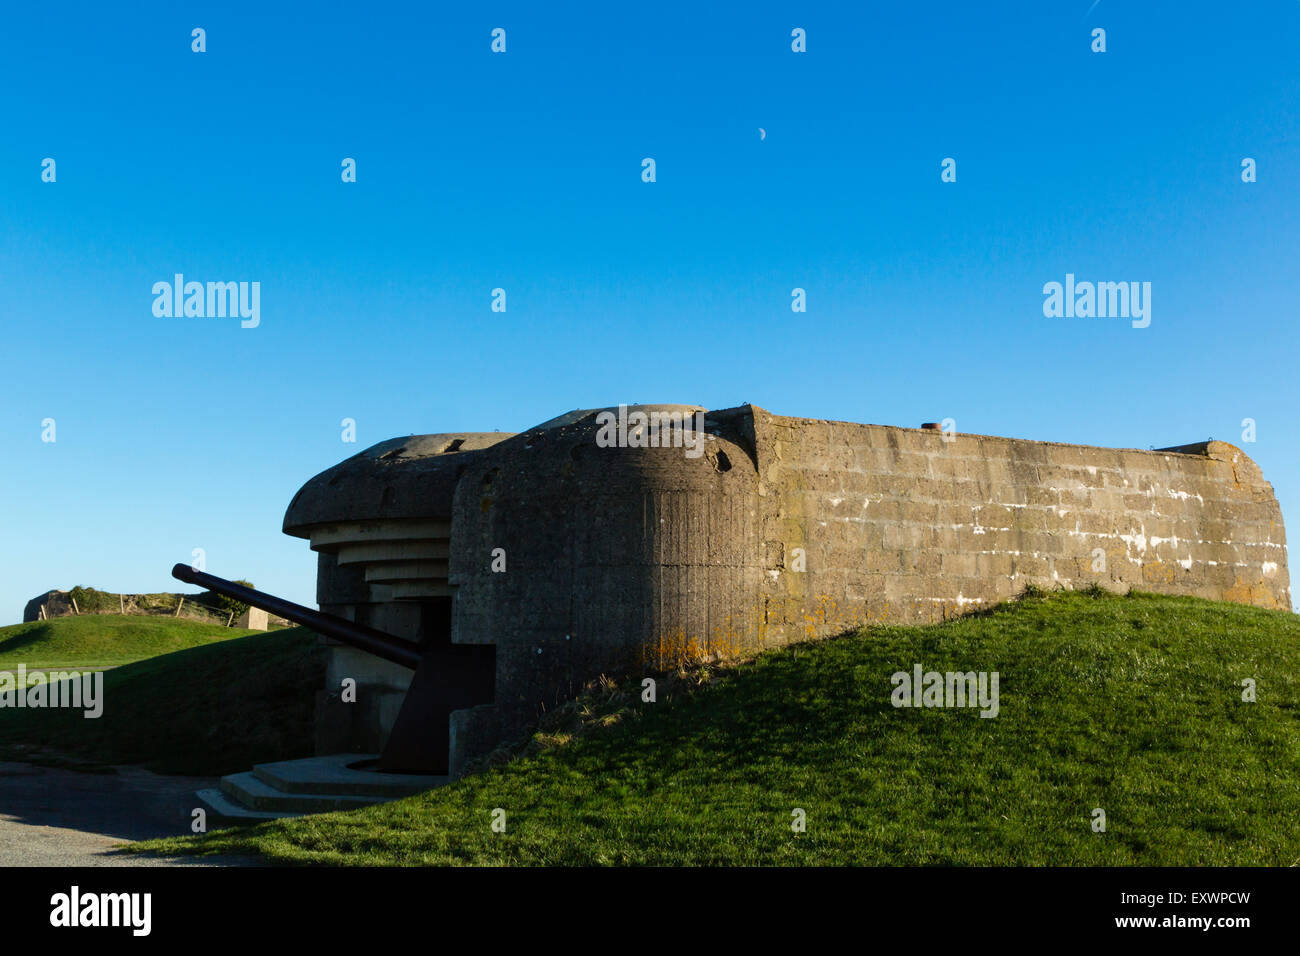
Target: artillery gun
{"x": 444, "y": 680}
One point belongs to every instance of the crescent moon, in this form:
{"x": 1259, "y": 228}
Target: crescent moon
{"x": 762, "y": 133}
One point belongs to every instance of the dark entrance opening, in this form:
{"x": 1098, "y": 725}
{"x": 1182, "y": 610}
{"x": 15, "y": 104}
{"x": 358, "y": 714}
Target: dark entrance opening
{"x": 435, "y": 622}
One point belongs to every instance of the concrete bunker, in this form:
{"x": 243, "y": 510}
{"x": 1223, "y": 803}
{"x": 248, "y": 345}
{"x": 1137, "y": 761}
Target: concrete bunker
{"x": 518, "y": 567}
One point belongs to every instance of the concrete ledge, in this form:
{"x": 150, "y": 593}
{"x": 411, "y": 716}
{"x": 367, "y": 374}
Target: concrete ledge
{"x": 331, "y": 775}
{"x": 222, "y": 810}
{"x": 258, "y": 795}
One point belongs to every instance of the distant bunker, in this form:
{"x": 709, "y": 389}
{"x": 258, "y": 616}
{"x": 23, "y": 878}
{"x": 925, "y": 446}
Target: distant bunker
{"x": 613, "y": 541}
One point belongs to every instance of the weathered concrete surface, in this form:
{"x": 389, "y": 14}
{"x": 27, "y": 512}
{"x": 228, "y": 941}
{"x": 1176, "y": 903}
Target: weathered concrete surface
{"x": 901, "y": 525}
{"x": 629, "y": 558}
{"x": 254, "y": 619}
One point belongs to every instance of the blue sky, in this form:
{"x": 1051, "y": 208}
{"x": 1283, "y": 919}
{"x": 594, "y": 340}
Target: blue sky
{"x": 523, "y": 171}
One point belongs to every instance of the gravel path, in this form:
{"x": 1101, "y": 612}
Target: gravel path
{"x": 56, "y": 817}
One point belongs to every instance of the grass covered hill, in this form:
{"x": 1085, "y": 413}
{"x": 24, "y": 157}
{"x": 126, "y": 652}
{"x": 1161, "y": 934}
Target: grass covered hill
{"x": 1131, "y": 705}
{"x": 234, "y": 699}
{"x": 99, "y": 640}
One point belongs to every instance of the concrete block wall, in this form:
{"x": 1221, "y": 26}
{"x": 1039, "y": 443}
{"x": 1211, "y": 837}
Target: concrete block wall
{"x": 901, "y": 525}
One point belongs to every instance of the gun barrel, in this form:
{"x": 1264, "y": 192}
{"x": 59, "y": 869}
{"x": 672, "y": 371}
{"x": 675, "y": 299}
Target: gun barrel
{"x": 383, "y": 645}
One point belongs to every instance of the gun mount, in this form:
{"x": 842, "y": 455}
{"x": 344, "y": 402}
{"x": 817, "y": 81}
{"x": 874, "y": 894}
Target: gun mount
{"x": 447, "y": 676}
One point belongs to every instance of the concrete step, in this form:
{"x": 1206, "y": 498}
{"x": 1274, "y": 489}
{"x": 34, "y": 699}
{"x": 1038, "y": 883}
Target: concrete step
{"x": 248, "y": 790}
{"x": 334, "y": 775}
{"x": 223, "y": 811}
{"x": 290, "y": 788}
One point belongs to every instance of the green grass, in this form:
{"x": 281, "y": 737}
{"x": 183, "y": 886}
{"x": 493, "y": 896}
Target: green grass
{"x": 207, "y": 710}
{"x": 1130, "y": 704}
{"x": 103, "y": 640}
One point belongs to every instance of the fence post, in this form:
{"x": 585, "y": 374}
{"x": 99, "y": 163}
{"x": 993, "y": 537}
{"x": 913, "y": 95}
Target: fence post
{"x": 179, "y": 606}
{"x": 76, "y": 610}
{"x": 229, "y": 619}
{"x": 121, "y": 602}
